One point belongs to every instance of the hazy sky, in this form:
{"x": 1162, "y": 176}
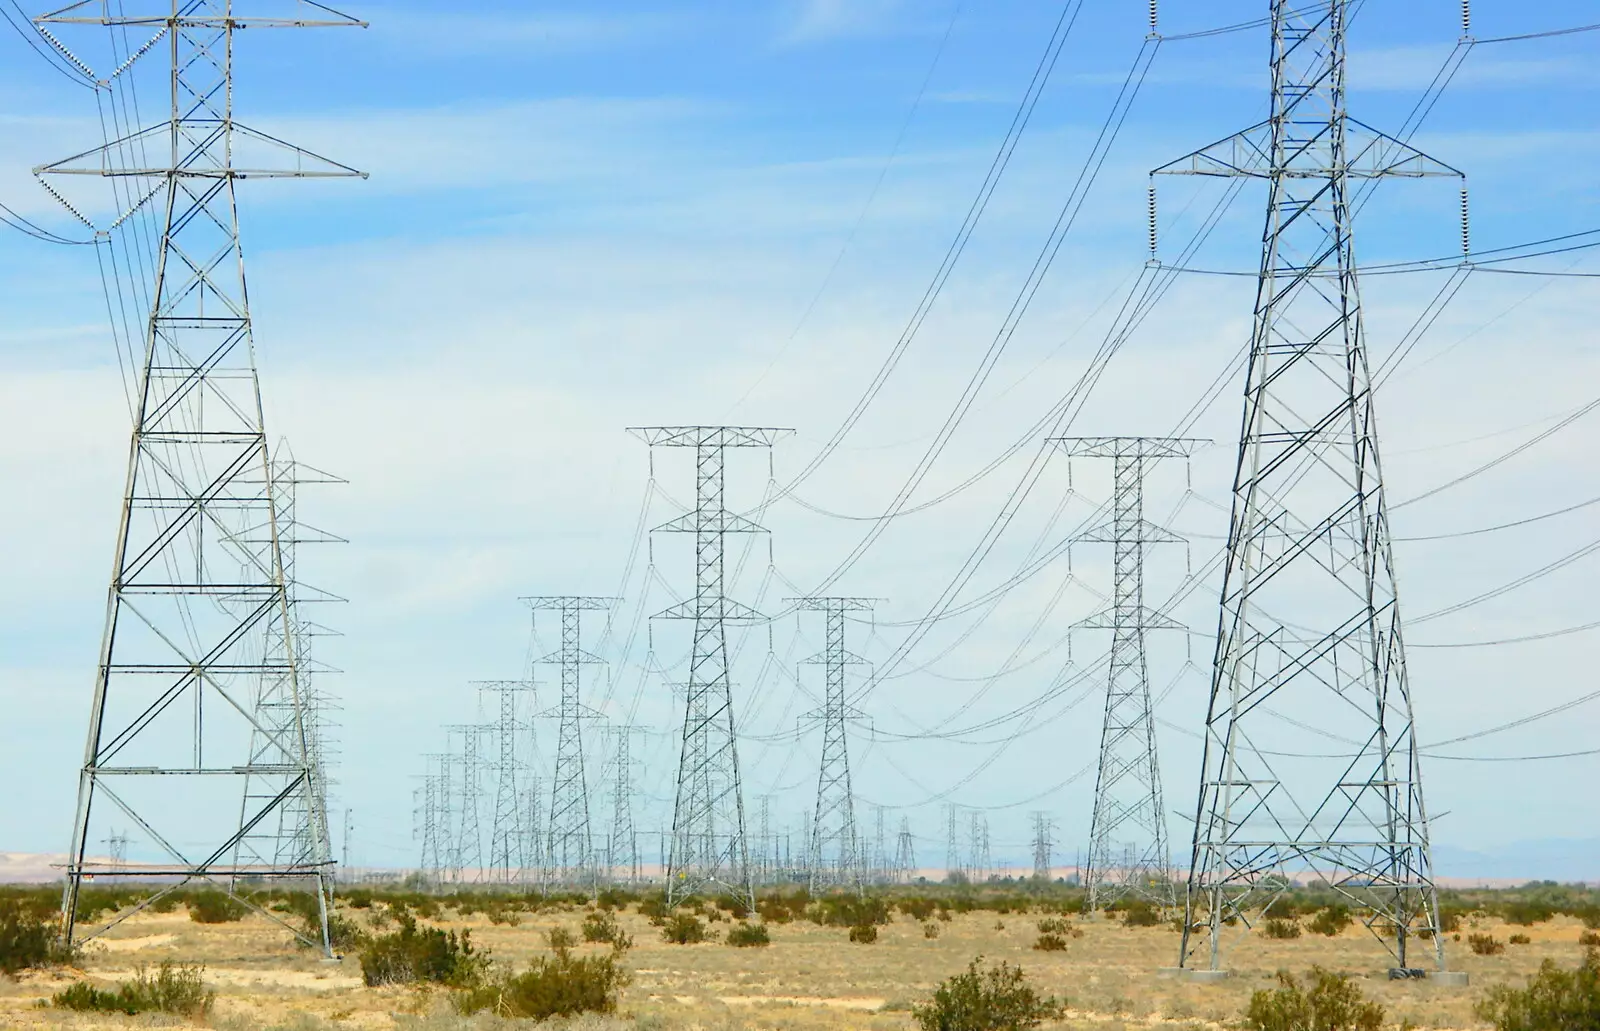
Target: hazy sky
{"x": 586, "y": 217}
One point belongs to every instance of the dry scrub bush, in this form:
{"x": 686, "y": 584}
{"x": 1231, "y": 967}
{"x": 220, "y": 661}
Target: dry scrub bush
{"x": 1330, "y": 920}
{"x": 1050, "y": 943}
{"x": 1332, "y": 1003}
{"x": 1485, "y": 944}
{"x": 215, "y": 907}
{"x": 560, "y": 985}
{"x": 1281, "y": 929}
{"x": 930, "y": 931}
{"x": 28, "y": 937}
{"x": 864, "y": 934}
{"x": 684, "y": 929}
{"x": 176, "y": 988}
{"x": 1554, "y": 1000}
{"x": 1519, "y": 939}
{"x": 746, "y": 936}
{"x": 602, "y": 926}
{"x": 996, "y": 999}
{"x": 427, "y": 955}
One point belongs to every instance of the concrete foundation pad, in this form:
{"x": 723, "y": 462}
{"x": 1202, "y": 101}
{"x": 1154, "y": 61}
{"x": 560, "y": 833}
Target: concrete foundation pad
{"x": 1206, "y": 976}
{"x": 1449, "y": 978}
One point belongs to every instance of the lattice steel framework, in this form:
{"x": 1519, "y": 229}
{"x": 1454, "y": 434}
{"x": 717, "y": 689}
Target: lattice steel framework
{"x": 507, "y": 861}
{"x": 905, "y": 853}
{"x": 289, "y": 695}
{"x": 466, "y": 839}
{"x": 194, "y": 598}
{"x": 622, "y": 844}
{"x": 1309, "y": 648}
{"x": 428, "y": 821}
{"x": 709, "y": 851}
{"x": 834, "y": 857}
{"x": 1042, "y": 845}
{"x": 569, "y": 845}
{"x": 1128, "y": 853}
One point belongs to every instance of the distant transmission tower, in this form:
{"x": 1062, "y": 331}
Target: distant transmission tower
{"x": 1042, "y": 845}
{"x": 709, "y": 850}
{"x": 425, "y": 816}
{"x": 1129, "y": 820}
{"x": 835, "y": 851}
{"x": 905, "y": 853}
{"x": 953, "y": 867}
{"x": 622, "y": 851}
{"x": 1309, "y": 645}
{"x": 570, "y": 848}
{"x": 193, "y": 598}
{"x": 978, "y": 860}
{"x": 468, "y": 839}
{"x": 506, "y": 858}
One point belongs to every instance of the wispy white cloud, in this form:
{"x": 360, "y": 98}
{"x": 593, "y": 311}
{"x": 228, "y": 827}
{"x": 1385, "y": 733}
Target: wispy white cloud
{"x": 833, "y": 19}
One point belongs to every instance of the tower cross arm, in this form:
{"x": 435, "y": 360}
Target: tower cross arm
{"x": 1128, "y": 447}
{"x": 710, "y": 436}
{"x": 84, "y": 13}
{"x": 1368, "y": 154}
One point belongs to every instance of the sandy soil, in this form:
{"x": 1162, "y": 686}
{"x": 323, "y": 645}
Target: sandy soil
{"x": 811, "y": 977}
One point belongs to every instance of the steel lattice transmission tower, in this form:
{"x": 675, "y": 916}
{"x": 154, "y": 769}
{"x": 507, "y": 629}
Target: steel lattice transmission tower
{"x": 1042, "y": 844}
{"x": 905, "y": 853}
{"x": 709, "y": 850}
{"x": 1310, "y": 632}
{"x": 622, "y": 845}
{"x": 466, "y": 852}
{"x": 835, "y": 852}
{"x": 506, "y": 834}
{"x": 194, "y": 598}
{"x": 569, "y": 849}
{"x": 1128, "y": 851}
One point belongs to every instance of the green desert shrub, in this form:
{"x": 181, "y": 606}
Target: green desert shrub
{"x": 176, "y": 988}
{"x": 917, "y": 907}
{"x": 746, "y": 936}
{"x": 1526, "y": 912}
{"x": 215, "y": 907}
{"x": 864, "y": 934}
{"x": 1330, "y": 920}
{"x": 1332, "y": 1003}
{"x": 684, "y": 929}
{"x": 28, "y": 938}
{"x": 1553, "y": 1000}
{"x": 1589, "y": 939}
{"x": 426, "y": 955}
{"x": 849, "y": 910}
{"x": 559, "y": 985}
{"x": 1485, "y": 944}
{"x": 998, "y": 998}
{"x": 1281, "y": 928}
{"x": 1139, "y": 913}
{"x": 930, "y": 930}
{"x": 602, "y": 926}
{"x": 1050, "y": 943}
{"x": 560, "y": 939}
{"x": 1519, "y": 939}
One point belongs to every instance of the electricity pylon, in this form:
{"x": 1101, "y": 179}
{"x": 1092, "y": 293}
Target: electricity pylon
{"x": 622, "y": 847}
{"x": 506, "y": 837}
{"x": 709, "y": 851}
{"x": 192, "y": 594}
{"x": 835, "y": 853}
{"x": 1042, "y": 845}
{"x": 1128, "y": 852}
{"x": 426, "y": 823}
{"x": 467, "y": 841}
{"x": 905, "y": 853}
{"x": 978, "y": 859}
{"x": 954, "y": 869}
{"x": 569, "y": 849}
{"x": 299, "y": 833}
{"x": 1309, "y": 647}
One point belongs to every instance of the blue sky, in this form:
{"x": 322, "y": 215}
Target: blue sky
{"x": 579, "y": 220}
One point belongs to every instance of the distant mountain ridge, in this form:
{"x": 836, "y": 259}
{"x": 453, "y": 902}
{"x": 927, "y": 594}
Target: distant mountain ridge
{"x": 1548, "y": 859}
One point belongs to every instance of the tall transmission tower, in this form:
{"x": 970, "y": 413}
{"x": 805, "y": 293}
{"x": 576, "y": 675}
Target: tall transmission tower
{"x": 835, "y": 853}
{"x": 426, "y": 823}
{"x": 467, "y": 841}
{"x": 570, "y": 849}
{"x": 1129, "y": 821}
{"x": 1310, "y": 631}
{"x": 192, "y": 596}
{"x": 1042, "y": 845}
{"x": 506, "y": 857}
{"x": 709, "y": 849}
{"x": 978, "y": 859}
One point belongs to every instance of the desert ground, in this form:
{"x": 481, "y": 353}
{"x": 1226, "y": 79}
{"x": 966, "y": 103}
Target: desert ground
{"x": 811, "y": 976}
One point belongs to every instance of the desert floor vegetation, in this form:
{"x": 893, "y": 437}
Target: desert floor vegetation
{"x": 474, "y": 962}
